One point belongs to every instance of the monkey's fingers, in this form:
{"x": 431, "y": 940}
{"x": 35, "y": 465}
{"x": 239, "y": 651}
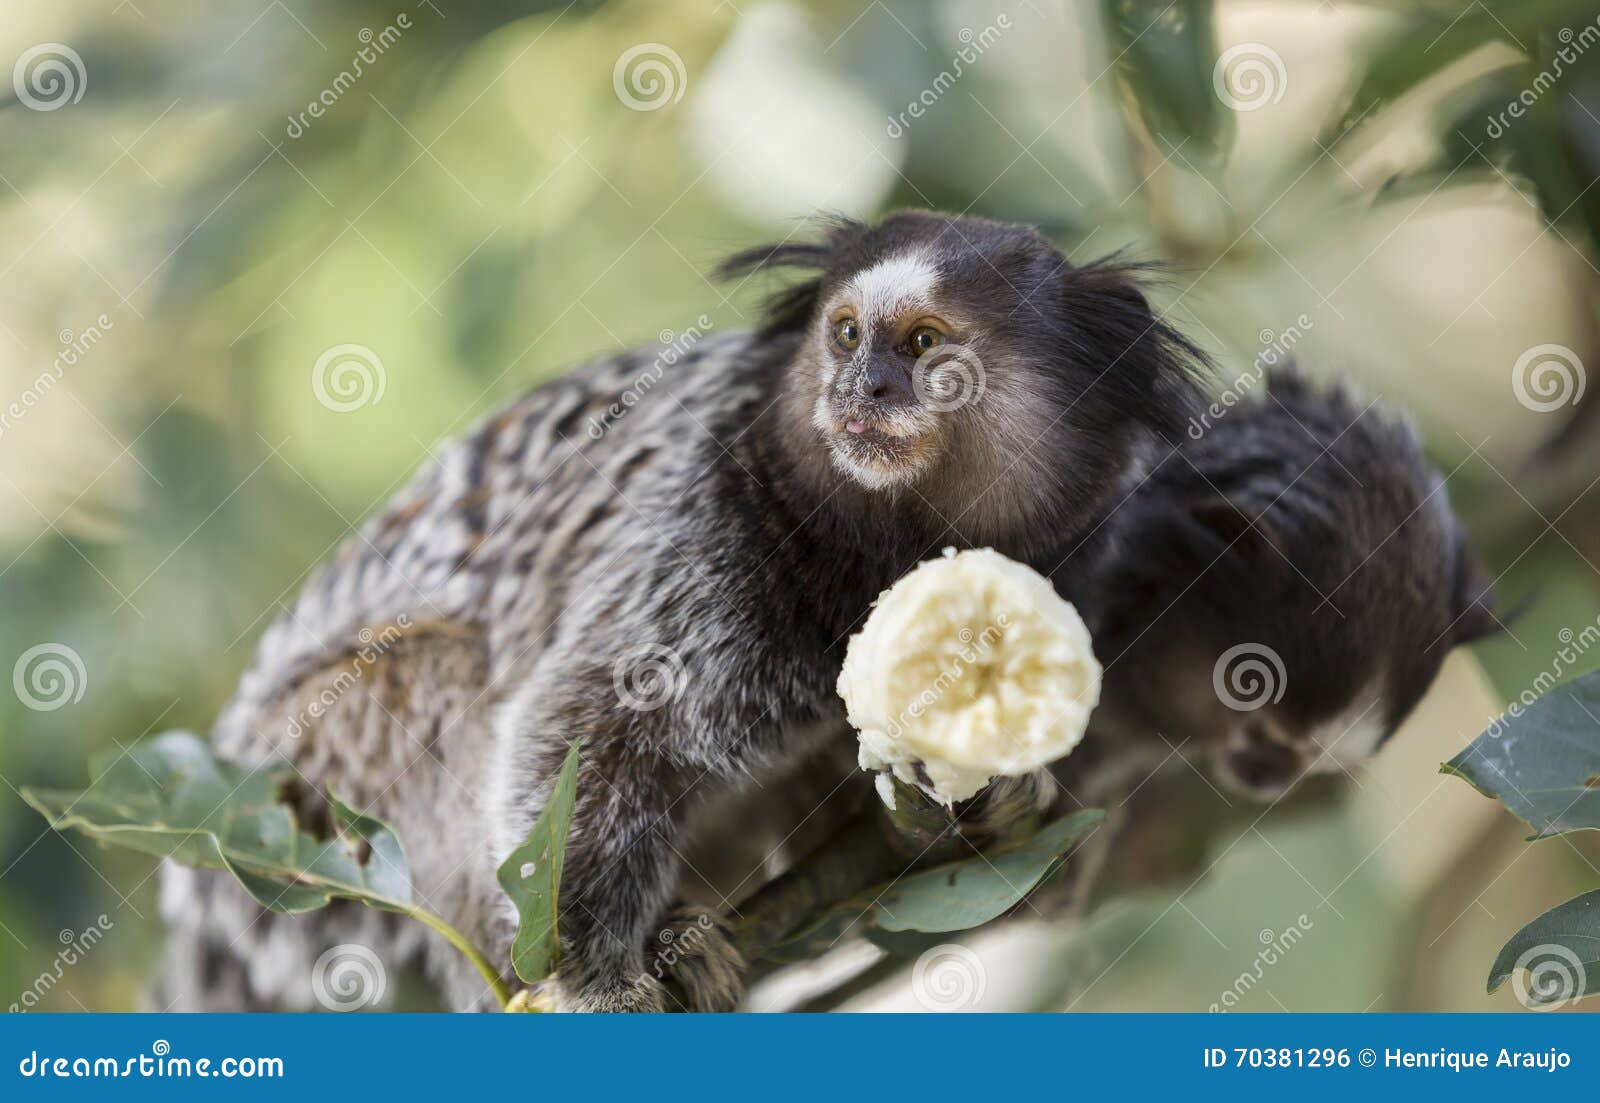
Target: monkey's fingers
{"x": 699, "y": 963}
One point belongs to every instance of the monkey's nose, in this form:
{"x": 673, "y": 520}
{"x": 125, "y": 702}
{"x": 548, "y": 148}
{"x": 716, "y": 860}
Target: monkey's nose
{"x": 1265, "y": 764}
{"x": 886, "y": 382}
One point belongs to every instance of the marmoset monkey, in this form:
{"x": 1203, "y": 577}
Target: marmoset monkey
{"x": 674, "y": 592}
{"x": 1279, "y": 593}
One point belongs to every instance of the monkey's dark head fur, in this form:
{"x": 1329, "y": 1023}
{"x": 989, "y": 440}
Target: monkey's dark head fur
{"x": 969, "y": 362}
{"x": 1284, "y": 589}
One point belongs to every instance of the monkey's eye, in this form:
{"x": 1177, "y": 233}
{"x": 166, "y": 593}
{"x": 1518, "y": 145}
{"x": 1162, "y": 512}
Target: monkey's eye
{"x": 847, "y": 333}
{"x": 923, "y": 340}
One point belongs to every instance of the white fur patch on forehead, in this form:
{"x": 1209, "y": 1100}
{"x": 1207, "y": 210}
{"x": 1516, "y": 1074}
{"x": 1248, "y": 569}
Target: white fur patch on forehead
{"x": 895, "y": 285}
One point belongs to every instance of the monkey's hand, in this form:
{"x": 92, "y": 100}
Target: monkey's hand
{"x": 1004, "y": 806}
{"x": 698, "y": 962}
{"x": 694, "y": 966}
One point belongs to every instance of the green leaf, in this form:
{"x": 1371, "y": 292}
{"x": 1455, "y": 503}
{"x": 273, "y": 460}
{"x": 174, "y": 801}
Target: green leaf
{"x": 1561, "y": 949}
{"x": 1397, "y": 66}
{"x": 531, "y": 876}
{"x": 174, "y": 798}
{"x": 969, "y": 893}
{"x": 1542, "y": 761}
{"x": 1165, "y": 55}
{"x": 951, "y": 897}
{"x": 905, "y": 944}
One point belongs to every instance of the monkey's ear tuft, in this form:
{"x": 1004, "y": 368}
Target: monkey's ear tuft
{"x": 789, "y": 308}
{"x": 782, "y": 255}
{"x": 1477, "y": 623}
{"x": 1110, "y": 324}
{"x": 1473, "y": 601}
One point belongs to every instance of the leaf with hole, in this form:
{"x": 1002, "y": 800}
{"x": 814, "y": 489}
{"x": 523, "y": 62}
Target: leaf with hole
{"x": 531, "y": 876}
{"x": 174, "y": 798}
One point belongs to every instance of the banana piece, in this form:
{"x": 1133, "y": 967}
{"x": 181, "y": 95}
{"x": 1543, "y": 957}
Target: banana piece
{"x": 968, "y": 668}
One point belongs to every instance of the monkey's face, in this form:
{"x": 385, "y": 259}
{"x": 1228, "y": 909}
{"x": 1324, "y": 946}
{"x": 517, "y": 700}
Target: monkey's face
{"x": 895, "y": 364}
{"x": 971, "y": 359}
{"x": 971, "y": 362}
{"x": 1263, "y": 749}
{"x": 1256, "y": 709}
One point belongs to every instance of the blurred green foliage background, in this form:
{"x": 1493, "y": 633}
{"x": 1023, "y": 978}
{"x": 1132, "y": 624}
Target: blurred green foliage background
{"x": 488, "y": 190}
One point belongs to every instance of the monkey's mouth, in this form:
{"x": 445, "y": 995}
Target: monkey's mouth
{"x": 877, "y": 445}
{"x": 879, "y": 434}
{"x": 879, "y": 451}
